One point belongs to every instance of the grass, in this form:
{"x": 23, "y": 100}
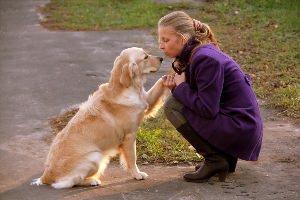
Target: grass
{"x": 262, "y": 36}
{"x": 95, "y": 15}
{"x": 159, "y": 142}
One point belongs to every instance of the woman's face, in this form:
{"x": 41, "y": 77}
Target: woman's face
{"x": 170, "y": 42}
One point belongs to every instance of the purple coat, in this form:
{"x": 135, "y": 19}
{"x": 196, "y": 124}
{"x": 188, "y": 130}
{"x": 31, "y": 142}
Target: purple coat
{"x": 220, "y": 104}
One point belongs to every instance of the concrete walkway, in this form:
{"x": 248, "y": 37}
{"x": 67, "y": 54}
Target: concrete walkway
{"x": 43, "y": 73}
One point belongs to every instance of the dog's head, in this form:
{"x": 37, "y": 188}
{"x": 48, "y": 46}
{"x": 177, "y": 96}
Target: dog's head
{"x": 131, "y": 66}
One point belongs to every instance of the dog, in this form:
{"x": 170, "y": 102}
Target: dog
{"x": 106, "y": 125}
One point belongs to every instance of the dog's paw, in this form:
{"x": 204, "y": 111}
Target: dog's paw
{"x": 90, "y": 182}
{"x": 37, "y": 182}
{"x": 95, "y": 182}
{"x": 141, "y": 176}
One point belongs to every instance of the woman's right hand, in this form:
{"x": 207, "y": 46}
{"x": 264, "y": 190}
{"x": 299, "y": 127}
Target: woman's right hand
{"x": 168, "y": 81}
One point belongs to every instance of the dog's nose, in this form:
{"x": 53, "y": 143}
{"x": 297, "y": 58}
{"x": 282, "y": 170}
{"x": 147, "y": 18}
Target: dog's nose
{"x": 161, "y": 59}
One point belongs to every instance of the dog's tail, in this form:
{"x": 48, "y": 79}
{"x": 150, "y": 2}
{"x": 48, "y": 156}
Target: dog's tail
{"x": 40, "y": 181}
{"x": 37, "y": 182}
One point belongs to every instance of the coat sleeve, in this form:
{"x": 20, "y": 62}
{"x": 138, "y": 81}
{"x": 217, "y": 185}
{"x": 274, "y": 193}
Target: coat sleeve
{"x": 205, "y": 98}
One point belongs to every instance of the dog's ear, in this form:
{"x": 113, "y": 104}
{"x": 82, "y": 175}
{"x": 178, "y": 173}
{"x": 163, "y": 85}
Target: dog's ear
{"x": 127, "y": 74}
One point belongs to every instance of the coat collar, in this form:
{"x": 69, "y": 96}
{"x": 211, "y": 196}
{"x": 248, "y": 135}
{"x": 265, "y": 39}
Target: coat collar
{"x": 185, "y": 55}
{"x": 186, "y": 52}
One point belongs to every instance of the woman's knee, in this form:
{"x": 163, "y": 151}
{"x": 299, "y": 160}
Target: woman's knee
{"x": 173, "y": 111}
{"x": 169, "y": 107}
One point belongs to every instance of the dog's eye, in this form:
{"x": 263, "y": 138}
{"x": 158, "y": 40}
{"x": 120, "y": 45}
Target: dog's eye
{"x": 146, "y": 57}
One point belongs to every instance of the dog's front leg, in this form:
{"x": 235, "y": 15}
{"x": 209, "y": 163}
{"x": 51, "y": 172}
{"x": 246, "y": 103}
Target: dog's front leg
{"x": 155, "y": 96}
{"x": 128, "y": 157}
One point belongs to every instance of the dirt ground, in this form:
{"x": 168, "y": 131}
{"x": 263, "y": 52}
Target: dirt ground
{"x": 274, "y": 176}
{"x": 43, "y": 73}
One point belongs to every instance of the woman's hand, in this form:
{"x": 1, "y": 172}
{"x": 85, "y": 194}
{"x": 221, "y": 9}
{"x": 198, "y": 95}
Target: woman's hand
{"x": 179, "y": 78}
{"x": 168, "y": 81}
{"x": 171, "y": 81}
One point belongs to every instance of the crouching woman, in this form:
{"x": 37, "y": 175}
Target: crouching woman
{"x": 212, "y": 104}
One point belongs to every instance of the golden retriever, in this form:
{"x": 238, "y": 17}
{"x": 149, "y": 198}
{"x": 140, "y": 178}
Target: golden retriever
{"x": 106, "y": 125}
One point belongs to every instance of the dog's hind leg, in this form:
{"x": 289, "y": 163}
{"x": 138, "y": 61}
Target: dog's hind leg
{"x": 76, "y": 180}
{"x": 94, "y": 180}
{"x": 67, "y": 183}
{"x": 90, "y": 182}
{"x": 83, "y": 173}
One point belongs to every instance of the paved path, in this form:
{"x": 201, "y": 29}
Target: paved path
{"x": 42, "y": 73}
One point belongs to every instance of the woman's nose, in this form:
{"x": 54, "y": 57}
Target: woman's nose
{"x": 161, "y": 46}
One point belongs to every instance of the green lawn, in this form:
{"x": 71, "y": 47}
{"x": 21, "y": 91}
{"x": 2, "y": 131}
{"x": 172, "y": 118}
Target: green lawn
{"x": 262, "y": 35}
{"x": 104, "y": 14}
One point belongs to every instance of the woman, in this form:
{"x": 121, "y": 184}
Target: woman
{"x": 212, "y": 104}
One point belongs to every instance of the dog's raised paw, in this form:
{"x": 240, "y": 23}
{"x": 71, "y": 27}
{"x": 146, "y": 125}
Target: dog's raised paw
{"x": 37, "y": 182}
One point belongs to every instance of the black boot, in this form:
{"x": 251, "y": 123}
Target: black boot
{"x": 214, "y": 165}
{"x": 215, "y": 160}
{"x": 232, "y": 161}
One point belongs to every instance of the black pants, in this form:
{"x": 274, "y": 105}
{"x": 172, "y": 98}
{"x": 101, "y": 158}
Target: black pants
{"x": 173, "y": 112}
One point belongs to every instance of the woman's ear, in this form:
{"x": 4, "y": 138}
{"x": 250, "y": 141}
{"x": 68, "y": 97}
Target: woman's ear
{"x": 185, "y": 38}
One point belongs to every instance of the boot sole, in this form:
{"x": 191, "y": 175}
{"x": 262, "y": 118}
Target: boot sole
{"x": 196, "y": 180}
{"x": 222, "y": 177}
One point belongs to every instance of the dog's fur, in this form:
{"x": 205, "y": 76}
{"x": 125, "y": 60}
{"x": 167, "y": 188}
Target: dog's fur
{"x": 106, "y": 124}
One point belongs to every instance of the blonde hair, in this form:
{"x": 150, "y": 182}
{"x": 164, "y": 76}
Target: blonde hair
{"x": 183, "y": 24}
